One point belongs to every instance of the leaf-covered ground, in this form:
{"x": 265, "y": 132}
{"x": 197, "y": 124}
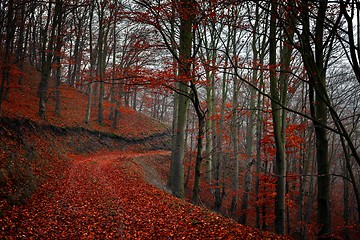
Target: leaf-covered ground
{"x": 105, "y": 195}
{"x": 100, "y": 195}
{"x": 22, "y": 102}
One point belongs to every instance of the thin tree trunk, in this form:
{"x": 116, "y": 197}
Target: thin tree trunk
{"x": 278, "y": 117}
{"x": 112, "y": 88}
{"x": 47, "y": 56}
{"x": 306, "y": 161}
{"x": 258, "y": 160}
{"x": 76, "y": 56}
{"x": 218, "y": 161}
{"x": 234, "y": 140}
{"x": 209, "y": 122}
{"x": 10, "y": 29}
{"x": 346, "y": 211}
{"x": 116, "y": 110}
{"x": 176, "y": 97}
{"x": 102, "y": 39}
{"x": 351, "y": 175}
{"x": 10, "y": 32}
{"x": 92, "y": 69}
{"x": 200, "y": 137}
{"x": 314, "y": 63}
{"x": 174, "y": 134}
{"x": 101, "y": 71}
{"x": 20, "y": 45}
{"x": 57, "y": 80}
{"x": 311, "y": 199}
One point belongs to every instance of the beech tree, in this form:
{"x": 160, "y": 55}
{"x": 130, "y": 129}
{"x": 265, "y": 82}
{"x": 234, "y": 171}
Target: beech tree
{"x": 350, "y": 11}
{"x": 186, "y": 13}
{"x": 254, "y": 117}
{"x": 10, "y": 31}
{"x": 278, "y": 95}
{"x": 93, "y": 55}
{"x": 104, "y": 29}
{"x": 315, "y": 63}
{"x": 48, "y": 47}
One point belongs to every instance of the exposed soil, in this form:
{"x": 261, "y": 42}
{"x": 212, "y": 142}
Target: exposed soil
{"x": 31, "y": 152}
{"x": 152, "y": 174}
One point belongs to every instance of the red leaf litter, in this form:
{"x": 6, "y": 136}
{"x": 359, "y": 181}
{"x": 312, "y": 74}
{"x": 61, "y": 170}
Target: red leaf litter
{"x": 104, "y": 196}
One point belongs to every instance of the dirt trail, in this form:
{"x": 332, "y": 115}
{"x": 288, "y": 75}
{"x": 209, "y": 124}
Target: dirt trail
{"x": 90, "y": 200}
{"x": 106, "y": 196}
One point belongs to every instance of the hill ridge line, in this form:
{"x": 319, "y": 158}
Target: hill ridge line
{"x": 113, "y": 135}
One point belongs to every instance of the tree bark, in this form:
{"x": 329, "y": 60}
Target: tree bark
{"x": 58, "y": 47}
{"x": 92, "y": 69}
{"x": 10, "y": 30}
{"x": 234, "y": 141}
{"x": 278, "y": 118}
{"x": 47, "y": 56}
{"x": 20, "y": 45}
{"x": 314, "y": 63}
{"x": 200, "y": 137}
{"x": 176, "y": 182}
{"x": 219, "y": 155}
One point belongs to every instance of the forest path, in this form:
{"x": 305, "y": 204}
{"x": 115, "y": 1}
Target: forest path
{"x": 106, "y": 195}
{"x": 102, "y": 195}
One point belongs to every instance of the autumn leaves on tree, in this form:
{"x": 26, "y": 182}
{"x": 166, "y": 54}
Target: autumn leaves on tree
{"x": 262, "y": 96}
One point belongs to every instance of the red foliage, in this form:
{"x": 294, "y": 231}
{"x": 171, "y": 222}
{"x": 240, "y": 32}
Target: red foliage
{"x": 104, "y": 195}
{"x": 23, "y": 103}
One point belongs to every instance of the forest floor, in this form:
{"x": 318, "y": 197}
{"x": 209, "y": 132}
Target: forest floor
{"x": 63, "y": 179}
{"x": 107, "y": 195}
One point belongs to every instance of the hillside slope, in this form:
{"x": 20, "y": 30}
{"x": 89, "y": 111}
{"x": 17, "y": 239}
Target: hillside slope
{"x": 63, "y": 179}
{"x": 104, "y": 196}
{"x": 31, "y": 148}
{"x": 23, "y": 103}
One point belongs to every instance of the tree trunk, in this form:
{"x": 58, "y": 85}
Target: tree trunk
{"x": 20, "y": 45}
{"x": 307, "y": 158}
{"x": 259, "y": 129}
{"x": 346, "y": 211}
{"x": 278, "y": 118}
{"x": 102, "y": 40}
{"x": 57, "y": 81}
{"x": 200, "y": 137}
{"x": 58, "y": 47}
{"x": 47, "y": 56}
{"x": 112, "y": 88}
{"x": 10, "y": 30}
{"x": 209, "y": 122}
{"x": 116, "y": 110}
{"x": 92, "y": 69}
{"x": 176, "y": 181}
{"x": 234, "y": 141}
{"x": 314, "y": 63}
{"x": 218, "y": 160}
{"x": 101, "y": 71}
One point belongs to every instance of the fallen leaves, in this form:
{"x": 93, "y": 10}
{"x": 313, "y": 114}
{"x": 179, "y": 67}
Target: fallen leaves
{"x": 23, "y": 103}
{"x": 105, "y": 195}
{"x": 101, "y": 195}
